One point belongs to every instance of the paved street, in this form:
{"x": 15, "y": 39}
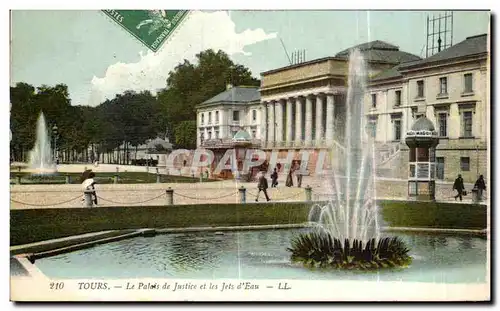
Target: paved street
{"x": 70, "y": 195}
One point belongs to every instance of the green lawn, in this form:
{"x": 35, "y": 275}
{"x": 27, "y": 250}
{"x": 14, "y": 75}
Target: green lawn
{"x": 418, "y": 214}
{"x": 102, "y": 178}
{"x": 31, "y": 225}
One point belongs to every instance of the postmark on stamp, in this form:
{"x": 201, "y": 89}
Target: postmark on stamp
{"x": 151, "y": 27}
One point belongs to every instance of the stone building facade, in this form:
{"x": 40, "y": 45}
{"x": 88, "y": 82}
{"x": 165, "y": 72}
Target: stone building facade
{"x": 304, "y": 105}
{"x": 451, "y": 88}
{"x": 221, "y": 117}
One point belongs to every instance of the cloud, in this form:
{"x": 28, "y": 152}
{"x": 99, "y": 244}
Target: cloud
{"x": 200, "y": 31}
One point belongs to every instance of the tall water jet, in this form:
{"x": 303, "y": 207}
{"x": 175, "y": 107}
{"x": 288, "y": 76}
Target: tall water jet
{"x": 352, "y": 214}
{"x": 41, "y": 157}
{"x": 348, "y": 227}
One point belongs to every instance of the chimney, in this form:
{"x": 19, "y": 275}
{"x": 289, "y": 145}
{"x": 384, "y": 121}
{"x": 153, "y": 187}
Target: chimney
{"x": 229, "y": 86}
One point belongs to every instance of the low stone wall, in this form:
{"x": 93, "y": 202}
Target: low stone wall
{"x": 33, "y": 225}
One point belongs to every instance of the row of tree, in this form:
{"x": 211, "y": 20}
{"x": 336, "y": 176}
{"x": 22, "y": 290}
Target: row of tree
{"x": 127, "y": 120}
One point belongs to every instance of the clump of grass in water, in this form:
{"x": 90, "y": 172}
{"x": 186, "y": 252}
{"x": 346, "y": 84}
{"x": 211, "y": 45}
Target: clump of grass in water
{"x": 320, "y": 250}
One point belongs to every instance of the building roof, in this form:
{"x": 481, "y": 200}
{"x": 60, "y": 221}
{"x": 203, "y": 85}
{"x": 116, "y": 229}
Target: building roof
{"x": 236, "y": 94}
{"x": 392, "y": 73}
{"x": 470, "y": 46}
{"x": 423, "y": 124}
{"x": 377, "y": 44}
{"x": 373, "y": 51}
{"x": 242, "y": 136}
{"x": 380, "y": 51}
{"x": 158, "y": 141}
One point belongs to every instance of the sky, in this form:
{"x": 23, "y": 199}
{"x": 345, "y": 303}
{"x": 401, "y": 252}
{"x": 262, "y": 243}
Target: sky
{"x": 98, "y": 59}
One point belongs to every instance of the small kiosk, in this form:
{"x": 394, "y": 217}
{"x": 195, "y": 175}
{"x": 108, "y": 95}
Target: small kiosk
{"x": 422, "y": 140}
{"x": 242, "y": 142}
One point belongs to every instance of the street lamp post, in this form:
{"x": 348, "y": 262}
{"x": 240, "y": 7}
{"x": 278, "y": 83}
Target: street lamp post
{"x": 477, "y": 160}
{"x": 201, "y": 146}
{"x": 55, "y": 133}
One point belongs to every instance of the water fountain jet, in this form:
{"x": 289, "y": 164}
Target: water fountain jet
{"x": 347, "y": 230}
{"x": 41, "y": 157}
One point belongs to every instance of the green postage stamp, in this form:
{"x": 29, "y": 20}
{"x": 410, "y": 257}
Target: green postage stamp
{"x": 151, "y": 27}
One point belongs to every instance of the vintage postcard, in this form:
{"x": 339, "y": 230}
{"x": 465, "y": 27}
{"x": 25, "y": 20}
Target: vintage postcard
{"x": 250, "y": 155}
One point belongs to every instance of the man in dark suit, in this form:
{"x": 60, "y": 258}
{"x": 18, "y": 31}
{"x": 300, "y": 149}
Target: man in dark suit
{"x": 262, "y": 187}
{"x": 459, "y": 186}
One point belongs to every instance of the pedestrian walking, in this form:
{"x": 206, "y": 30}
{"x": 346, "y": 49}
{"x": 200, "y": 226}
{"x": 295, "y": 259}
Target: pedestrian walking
{"x": 299, "y": 178}
{"x": 274, "y": 179}
{"x": 298, "y": 174}
{"x": 459, "y": 186}
{"x": 480, "y": 186}
{"x": 262, "y": 185}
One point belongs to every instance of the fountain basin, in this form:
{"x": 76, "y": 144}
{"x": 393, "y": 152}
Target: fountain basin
{"x": 437, "y": 258}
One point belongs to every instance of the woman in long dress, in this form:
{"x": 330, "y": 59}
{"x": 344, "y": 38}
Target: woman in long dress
{"x": 289, "y": 179}
{"x": 89, "y": 194}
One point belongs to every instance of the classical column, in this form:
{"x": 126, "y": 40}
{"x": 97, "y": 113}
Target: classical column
{"x": 222, "y": 124}
{"x": 263, "y": 124}
{"x": 289, "y": 126}
{"x": 309, "y": 115}
{"x": 298, "y": 121}
{"x": 319, "y": 119}
{"x": 279, "y": 121}
{"x": 270, "y": 122}
{"x": 330, "y": 118}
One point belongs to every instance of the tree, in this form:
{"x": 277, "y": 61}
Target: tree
{"x": 185, "y": 135}
{"x": 22, "y": 119}
{"x": 28, "y": 103}
{"x": 130, "y": 118}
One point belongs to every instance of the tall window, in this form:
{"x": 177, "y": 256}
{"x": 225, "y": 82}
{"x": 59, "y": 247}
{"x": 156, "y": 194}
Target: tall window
{"x": 443, "y": 124}
{"x": 374, "y": 100}
{"x": 216, "y": 117}
{"x": 443, "y": 86}
{"x": 216, "y": 134}
{"x": 209, "y": 134}
{"x": 397, "y": 101}
{"x": 373, "y": 127}
{"x": 420, "y": 88}
{"x": 209, "y": 117}
{"x": 236, "y": 115}
{"x": 254, "y": 115}
{"x": 440, "y": 168}
{"x": 468, "y": 83}
{"x": 202, "y": 118}
{"x": 254, "y": 133}
{"x": 397, "y": 129}
{"x": 467, "y": 123}
{"x": 465, "y": 163}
